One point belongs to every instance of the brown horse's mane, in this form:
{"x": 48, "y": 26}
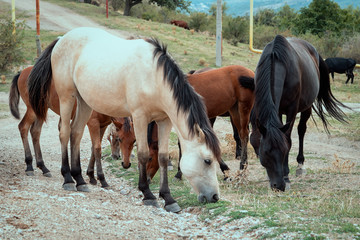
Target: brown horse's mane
{"x": 187, "y": 100}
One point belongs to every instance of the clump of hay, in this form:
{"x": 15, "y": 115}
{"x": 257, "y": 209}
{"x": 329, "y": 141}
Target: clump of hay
{"x": 185, "y": 52}
{"x": 237, "y": 179}
{"x": 341, "y": 166}
{"x": 192, "y": 31}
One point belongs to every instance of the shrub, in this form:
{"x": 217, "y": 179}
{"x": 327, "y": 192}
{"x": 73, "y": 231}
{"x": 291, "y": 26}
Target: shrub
{"x": 11, "y": 45}
{"x": 198, "y": 21}
{"x": 236, "y": 30}
{"x": 351, "y": 48}
{"x": 117, "y": 4}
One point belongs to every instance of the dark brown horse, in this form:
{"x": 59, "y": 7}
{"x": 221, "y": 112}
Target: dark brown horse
{"x": 97, "y": 125}
{"x": 227, "y": 89}
{"x": 291, "y": 77}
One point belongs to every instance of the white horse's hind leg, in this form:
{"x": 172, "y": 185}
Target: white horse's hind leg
{"x": 164, "y": 128}
{"x": 83, "y": 112}
{"x": 66, "y": 107}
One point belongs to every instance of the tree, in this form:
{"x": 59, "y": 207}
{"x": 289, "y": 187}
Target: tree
{"x": 320, "y": 17}
{"x": 171, "y": 4}
{"x": 285, "y": 17}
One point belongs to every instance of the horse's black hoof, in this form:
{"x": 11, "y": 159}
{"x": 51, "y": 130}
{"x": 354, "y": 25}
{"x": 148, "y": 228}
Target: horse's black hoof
{"x": 93, "y": 181}
{"x": 83, "y": 188}
{"x": 29, "y": 173}
{"x": 48, "y": 174}
{"x": 69, "y": 187}
{"x": 151, "y": 202}
{"x": 174, "y": 208}
{"x": 104, "y": 184}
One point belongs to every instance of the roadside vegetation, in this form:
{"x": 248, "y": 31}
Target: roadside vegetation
{"x": 325, "y": 203}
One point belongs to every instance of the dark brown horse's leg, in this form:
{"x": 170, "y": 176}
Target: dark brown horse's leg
{"x": 83, "y": 112}
{"x": 178, "y": 175}
{"x": 24, "y": 126}
{"x": 301, "y": 132}
{"x": 164, "y": 128}
{"x": 35, "y": 131}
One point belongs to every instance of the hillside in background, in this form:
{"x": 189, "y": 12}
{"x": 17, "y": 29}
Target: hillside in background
{"x": 241, "y": 7}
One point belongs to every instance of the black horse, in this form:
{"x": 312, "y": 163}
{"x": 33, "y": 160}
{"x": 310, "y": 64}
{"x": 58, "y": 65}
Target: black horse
{"x": 341, "y": 65}
{"x": 290, "y": 78}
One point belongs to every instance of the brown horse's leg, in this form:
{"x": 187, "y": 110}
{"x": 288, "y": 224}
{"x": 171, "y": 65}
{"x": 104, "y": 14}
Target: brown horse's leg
{"x": 237, "y": 140}
{"x": 99, "y": 170}
{"x": 164, "y": 132}
{"x": 94, "y": 130}
{"x": 83, "y": 112}
{"x": 35, "y": 131}
{"x": 140, "y": 125}
{"x": 240, "y": 115}
{"x": 24, "y": 126}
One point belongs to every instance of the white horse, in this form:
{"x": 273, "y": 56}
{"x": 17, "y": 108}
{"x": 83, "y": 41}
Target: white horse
{"x": 123, "y": 78}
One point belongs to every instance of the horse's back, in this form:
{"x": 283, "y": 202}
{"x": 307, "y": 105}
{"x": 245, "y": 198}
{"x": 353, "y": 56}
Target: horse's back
{"x": 102, "y": 65}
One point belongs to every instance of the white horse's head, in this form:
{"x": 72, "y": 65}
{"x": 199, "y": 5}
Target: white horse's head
{"x": 198, "y": 165}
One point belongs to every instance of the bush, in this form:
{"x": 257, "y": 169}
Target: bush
{"x": 117, "y": 4}
{"x": 351, "y": 48}
{"x": 11, "y": 46}
{"x": 236, "y": 30}
{"x": 198, "y": 21}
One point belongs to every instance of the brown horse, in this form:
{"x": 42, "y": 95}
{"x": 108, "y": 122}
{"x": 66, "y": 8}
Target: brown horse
{"x": 97, "y": 125}
{"x": 227, "y": 89}
{"x": 121, "y": 139}
{"x": 180, "y": 23}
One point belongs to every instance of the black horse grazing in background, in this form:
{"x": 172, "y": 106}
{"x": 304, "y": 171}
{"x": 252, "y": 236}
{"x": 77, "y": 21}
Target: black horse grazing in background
{"x": 341, "y": 65}
{"x": 290, "y": 78}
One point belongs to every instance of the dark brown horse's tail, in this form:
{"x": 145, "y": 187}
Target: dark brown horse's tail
{"x": 327, "y": 100}
{"x": 39, "y": 82}
{"x": 14, "y": 97}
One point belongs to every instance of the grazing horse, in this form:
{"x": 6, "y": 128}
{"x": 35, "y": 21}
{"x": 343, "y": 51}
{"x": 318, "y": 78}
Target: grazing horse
{"x": 290, "y": 78}
{"x": 120, "y": 78}
{"x": 180, "y": 23}
{"x": 97, "y": 125}
{"x": 341, "y": 65}
{"x": 121, "y": 137}
{"x": 225, "y": 90}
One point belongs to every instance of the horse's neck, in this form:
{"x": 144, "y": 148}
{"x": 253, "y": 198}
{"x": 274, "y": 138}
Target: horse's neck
{"x": 278, "y": 84}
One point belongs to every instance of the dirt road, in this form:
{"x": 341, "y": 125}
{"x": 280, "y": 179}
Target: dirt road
{"x": 56, "y": 18}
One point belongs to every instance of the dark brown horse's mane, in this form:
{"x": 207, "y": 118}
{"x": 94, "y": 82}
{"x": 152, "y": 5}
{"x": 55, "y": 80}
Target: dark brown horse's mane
{"x": 186, "y": 98}
{"x": 266, "y": 112}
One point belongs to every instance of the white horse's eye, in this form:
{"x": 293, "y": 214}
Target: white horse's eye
{"x": 207, "y": 161}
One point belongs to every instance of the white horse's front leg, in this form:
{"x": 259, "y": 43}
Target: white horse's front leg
{"x": 164, "y": 128}
{"x": 140, "y": 127}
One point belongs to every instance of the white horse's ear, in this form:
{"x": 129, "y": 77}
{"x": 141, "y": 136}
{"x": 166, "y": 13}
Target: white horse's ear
{"x": 200, "y": 133}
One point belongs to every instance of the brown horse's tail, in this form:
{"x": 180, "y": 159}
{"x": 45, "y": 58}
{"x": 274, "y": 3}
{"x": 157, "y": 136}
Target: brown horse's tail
{"x": 14, "y": 97}
{"x": 39, "y": 82}
{"x": 247, "y": 82}
{"x": 326, "y": 99}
